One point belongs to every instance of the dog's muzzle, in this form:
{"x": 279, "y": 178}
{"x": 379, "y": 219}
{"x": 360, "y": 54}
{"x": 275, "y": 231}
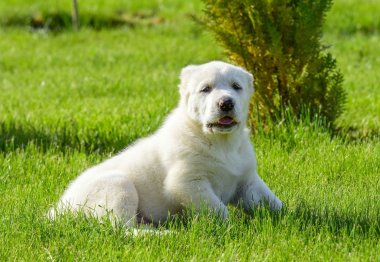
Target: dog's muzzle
{"x": 226, "y": 104}
{"x": 226, "y": 120}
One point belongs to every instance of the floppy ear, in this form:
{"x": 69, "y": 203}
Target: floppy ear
{"x": 251, "y": 81}
{"x": 185, "y": 76}
{"x": 249, "y": 78}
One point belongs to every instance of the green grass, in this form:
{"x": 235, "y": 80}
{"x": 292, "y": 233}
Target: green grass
{"x": 353, "y": 30}
{"x": 69, "y": 100}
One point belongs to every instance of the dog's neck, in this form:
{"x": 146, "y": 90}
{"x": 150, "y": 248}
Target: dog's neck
{"x": 230, "y": 141}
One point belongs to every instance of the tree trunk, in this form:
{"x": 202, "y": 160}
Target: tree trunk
{"x": 75, "y": 16}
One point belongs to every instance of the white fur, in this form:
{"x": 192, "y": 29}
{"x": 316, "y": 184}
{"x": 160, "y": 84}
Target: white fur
{"x": 185, "y": 163}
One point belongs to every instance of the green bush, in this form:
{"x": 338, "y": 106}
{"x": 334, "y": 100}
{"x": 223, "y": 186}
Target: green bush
{"x": 279, "y": 41}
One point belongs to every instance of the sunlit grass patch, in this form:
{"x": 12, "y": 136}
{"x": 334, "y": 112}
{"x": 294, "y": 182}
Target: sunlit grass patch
{"x": 71, "y": 100}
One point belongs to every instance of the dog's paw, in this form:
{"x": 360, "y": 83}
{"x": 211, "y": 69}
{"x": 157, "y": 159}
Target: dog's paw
{"x": 275, "y": 204}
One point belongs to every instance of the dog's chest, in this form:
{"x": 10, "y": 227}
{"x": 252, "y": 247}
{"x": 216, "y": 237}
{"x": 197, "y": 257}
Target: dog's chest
{"x": 231, "y": 163}
{"x": 228, "y": 171}
{"x": 224, "y": 187}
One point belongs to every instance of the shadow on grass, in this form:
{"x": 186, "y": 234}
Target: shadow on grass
{"x": 352, "y": 134}
{"x": 366, "y": 30}
{"x": 318, "y": 219}
{"x": 337, "y": 222}
{"x": 322, "y": 219}
{"x": 61, "y": 21}
{"x": 304, "y": 218}
{"x": 290, "y": 129}
{"x": 64, "y": 138}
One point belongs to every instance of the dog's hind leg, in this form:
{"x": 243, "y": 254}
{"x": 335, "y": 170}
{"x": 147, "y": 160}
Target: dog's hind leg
{"x": 116, "y": 197}
{"x": 109, "y": 195}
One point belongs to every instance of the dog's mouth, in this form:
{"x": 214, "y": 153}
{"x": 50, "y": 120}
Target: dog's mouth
{"x": 225, "y": 123}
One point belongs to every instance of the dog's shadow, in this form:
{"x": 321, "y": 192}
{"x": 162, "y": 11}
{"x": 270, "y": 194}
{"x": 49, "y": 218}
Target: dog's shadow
{"x": 303, "y": 217}
{"x": 321, "y": 218}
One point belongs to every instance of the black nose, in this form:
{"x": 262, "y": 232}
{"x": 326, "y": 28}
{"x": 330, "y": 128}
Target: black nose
{"x": 226, "y": 104}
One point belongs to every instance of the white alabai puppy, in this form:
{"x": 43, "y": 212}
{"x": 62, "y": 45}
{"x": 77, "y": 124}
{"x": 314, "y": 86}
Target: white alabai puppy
{"x": 200, "y": 157}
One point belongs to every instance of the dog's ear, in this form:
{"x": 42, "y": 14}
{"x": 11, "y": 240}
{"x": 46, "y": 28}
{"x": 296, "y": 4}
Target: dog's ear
{"x": 251, "y": 81}
{"x": 185, "y": 76}
{"x": 249, "y": 78}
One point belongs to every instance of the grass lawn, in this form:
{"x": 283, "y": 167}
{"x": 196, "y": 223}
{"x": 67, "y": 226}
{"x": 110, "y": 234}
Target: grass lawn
{"x": 69, "y": 100}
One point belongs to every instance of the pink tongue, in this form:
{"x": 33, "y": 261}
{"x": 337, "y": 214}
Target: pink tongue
{"x": 225, "y": 120}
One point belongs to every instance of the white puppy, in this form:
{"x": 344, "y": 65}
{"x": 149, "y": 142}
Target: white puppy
{"x": 201, "y": 156}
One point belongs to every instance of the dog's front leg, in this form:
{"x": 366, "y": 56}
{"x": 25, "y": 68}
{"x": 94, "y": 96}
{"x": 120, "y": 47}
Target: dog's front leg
{"x": 196, "y": 194}
{"x": 256, "y": 192}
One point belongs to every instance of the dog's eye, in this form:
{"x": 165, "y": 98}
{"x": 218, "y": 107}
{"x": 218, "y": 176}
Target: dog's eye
{"x": 206, "y": 89}
{"x": 236, "y": 86}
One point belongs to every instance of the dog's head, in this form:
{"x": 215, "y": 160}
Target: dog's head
{"x": 216, "y": 95}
